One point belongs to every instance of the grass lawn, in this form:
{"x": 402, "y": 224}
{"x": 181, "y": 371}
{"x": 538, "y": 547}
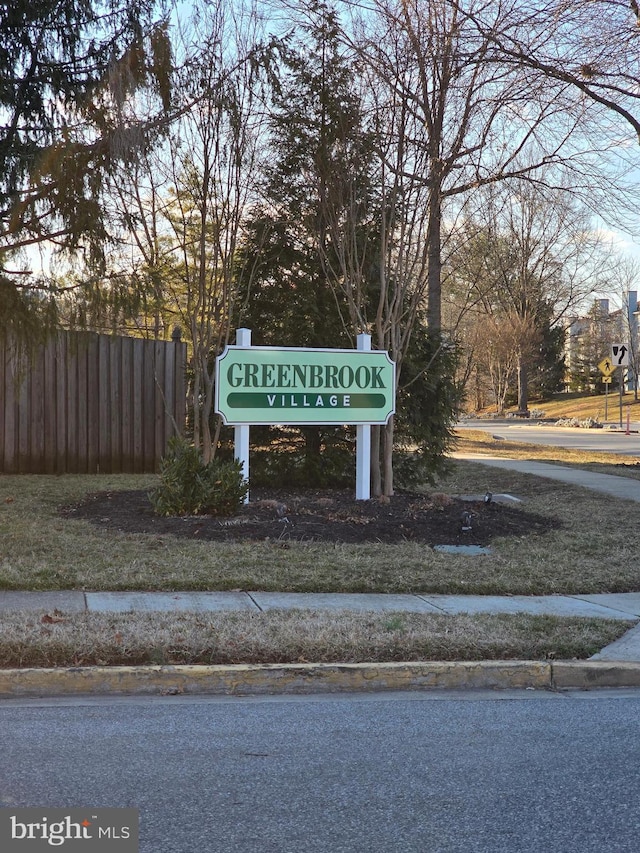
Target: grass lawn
{"x": 292, "y": 637}
{"x": 482, "y": 442}
{"x": 595, "y": 550}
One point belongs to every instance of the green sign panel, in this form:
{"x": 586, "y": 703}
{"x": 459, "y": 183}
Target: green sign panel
{"x": 272, "y": 385}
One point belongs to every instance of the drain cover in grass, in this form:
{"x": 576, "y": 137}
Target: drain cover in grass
{"x": 468, "y": 550}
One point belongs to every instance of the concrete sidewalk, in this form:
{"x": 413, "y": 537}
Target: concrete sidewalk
{"x": 604, "y": 606}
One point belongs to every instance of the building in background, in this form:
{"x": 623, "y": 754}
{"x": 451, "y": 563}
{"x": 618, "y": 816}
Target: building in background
{"x": 589, "y": 339}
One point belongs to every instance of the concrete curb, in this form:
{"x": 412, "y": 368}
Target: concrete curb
{"x": 584, "y": 675}
{"x": 285, "y": 679}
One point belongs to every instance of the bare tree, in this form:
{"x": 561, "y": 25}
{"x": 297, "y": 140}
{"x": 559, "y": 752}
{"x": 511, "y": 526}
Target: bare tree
{"x": 529, "y": 261}
{"x": 589, "y": 46}
{"x": 449, "y": 118}
{"x": 182, "y": 206}
{"x": 497, "y": 355}
{"x": 457, "y": 118}
{"x": 214, "y": 157}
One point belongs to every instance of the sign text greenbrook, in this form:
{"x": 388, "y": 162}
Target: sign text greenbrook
{"x": 269, "y": 385}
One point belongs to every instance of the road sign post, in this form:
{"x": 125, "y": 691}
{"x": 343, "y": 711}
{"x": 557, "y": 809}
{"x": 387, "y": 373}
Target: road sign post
{"x": 241, "y": 431}
{"x": 621, "y": 381}
{"x": 607, "y": 367}
{"x": 620, "y": 358}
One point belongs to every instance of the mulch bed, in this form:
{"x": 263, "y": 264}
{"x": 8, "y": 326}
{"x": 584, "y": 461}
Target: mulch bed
{"x": 311, "y": 515}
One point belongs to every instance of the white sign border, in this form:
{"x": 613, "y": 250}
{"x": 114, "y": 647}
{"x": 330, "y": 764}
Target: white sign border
{"x": 346, "y": 422}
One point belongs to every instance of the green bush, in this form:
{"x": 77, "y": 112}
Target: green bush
{"x": 189, "y": 487}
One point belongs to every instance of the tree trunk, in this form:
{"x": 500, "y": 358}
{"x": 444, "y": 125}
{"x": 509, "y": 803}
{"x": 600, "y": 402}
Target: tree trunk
{"x": 195, "y": 402}
{"x": 376, "y": 473}
{"x": 523, "y": 386}
{"x": 434, "y": 268}
{"x": 478, "y": 391}
{"x": 388, "y": 458}
{"x": 207, "y": 442}
{"x": 312, "y": 449}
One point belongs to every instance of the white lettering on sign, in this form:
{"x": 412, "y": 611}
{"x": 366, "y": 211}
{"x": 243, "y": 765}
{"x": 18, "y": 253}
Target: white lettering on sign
{"x": 293, "y": 401}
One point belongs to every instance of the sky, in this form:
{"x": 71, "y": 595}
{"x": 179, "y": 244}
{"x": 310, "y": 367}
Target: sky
{"x": 624, "y": 243}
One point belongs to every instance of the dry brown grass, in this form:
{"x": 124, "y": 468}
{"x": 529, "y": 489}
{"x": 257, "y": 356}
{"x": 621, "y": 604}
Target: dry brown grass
{"x": 479, "y": 442}
{"x": 292, "y": 636}
{"x": 585, "y": 406}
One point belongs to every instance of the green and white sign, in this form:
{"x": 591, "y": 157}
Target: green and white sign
{"x": 290, "y": 385}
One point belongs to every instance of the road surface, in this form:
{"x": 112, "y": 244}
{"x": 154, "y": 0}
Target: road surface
{"x": 600, "y": 440}
{"x": 413, "y": 773}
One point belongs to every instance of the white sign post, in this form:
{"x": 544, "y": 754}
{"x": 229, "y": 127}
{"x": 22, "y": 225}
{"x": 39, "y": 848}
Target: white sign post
{"x": 241, "y": 431}
{"x": 363, "y": 443}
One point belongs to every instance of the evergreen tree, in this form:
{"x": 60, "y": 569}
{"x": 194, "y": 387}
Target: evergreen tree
{"x": 428, "y": 403}
{"x": 67, "y": 68}
{"x": 316, "y": 198}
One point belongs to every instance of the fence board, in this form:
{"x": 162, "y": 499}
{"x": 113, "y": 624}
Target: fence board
{"x": 126, "y": 406}
{"x": 73, "y": 422}
{"x": 148, "y": 414}
{"x": 159, "y": 386}
{"x": 104, "y": 414}
{"x": 138, "y": 405}
{"x": 83, "y": 403}
{"x": 39, "y": 427}
{"x": 62, "y": 397}
{"x": 114, "y": 395}
{"x": 23, "y": 397}
{"x": 9, "y": 439}
{"x": 92, "y": 403}
{"x": 180, "y": 386}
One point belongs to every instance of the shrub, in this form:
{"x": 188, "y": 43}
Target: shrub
{"x": 308, "y": 456}
{"x": 189, "y": 487}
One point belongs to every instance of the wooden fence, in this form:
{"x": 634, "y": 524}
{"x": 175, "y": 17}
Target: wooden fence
{"x": 87, "y": 403}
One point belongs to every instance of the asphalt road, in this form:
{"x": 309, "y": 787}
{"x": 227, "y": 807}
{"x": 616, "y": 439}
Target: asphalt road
{"x": 413, "y": 773}
{"x": 601, "y": 440}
